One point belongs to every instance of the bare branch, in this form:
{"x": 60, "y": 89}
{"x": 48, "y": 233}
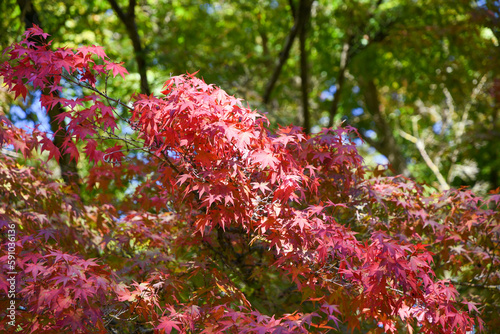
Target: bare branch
{"x": 299, "y": 23}
{"x": 344, "y": 61}
{"x": 462, "y": 124}
{"x": 70, "y": 79}
{"x": 387, "y": 144}
{"x": 419, "y": 143}
{"x": 128, "y": 19}
{"x": 475, "y": 285}
{"x": 305, "y": 6}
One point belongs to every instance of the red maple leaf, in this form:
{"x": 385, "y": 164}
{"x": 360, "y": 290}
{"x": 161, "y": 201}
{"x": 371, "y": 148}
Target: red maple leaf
{"x": 36, "y": 31}
{"x": 34, "y": 268}
{"x": 261, "y": 186}
{"x": 265, "y": 159}
{"x": 96, "y": 50}
{"x": 48, "y": 145}
{"x": 117, "y": 68}
{"x": 166, "y": 324}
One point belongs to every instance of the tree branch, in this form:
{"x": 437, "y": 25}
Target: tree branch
{"x": 292, "y": 9}
{"x": 128, "y": 19}
{"x": 349, "y": 51}
{"x": 344, "y": 61}
{"x": 299, "y": 22}
{"x": 419, "y": 143}
{"x": 387, "y": 142}
{"x": 462, "y": 124}
{"x": 69, "y": 171}
{"x": 483, "y": 286}
{"x": 305, "y": 6}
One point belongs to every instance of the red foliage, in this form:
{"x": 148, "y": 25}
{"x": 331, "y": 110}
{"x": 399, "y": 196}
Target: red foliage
{"x": 231, "y": 227}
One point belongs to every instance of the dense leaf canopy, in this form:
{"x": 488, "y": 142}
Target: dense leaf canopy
{"x": 196, "y": 216}
{"x": 418, "y": 79}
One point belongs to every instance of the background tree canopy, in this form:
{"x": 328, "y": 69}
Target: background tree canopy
{"x": 417, "y": 78}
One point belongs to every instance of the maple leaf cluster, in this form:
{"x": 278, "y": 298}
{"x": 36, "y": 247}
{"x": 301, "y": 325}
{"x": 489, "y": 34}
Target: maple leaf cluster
{"x": 223, "y": 225}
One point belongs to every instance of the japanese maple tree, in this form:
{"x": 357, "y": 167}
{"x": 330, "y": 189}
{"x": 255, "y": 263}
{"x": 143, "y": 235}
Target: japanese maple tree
{"x": 222, "y": 225}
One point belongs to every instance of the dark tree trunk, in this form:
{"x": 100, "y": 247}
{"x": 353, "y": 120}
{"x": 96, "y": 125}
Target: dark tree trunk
{"x": 386, "y": 142}
{"x": 300, "y": 20}
{"x": 69, "y": 171}
{"x": 344, "y": 61}
{"x": 305, "y": 7}
{"x": 128, "y": 20}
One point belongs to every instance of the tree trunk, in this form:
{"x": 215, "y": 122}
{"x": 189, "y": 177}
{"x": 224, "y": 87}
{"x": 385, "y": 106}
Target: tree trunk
{"x": 69, "y": 171}
{"x": 128, "y": 20}
{"x": 386, "y": 142}
{"x": 300, "y": 19}
{"x": 305, "y": 6}
{"x": 344, "y": 61}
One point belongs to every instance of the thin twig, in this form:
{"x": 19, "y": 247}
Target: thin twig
{"x": 70, "y": 79}
{"x": 475, "y": 285}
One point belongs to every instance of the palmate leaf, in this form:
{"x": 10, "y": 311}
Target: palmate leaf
{"x": 115, "y": 68}
{"x": 166, "y": 325}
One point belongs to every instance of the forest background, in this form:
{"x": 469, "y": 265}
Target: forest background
{"x": 418, "y": 79}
